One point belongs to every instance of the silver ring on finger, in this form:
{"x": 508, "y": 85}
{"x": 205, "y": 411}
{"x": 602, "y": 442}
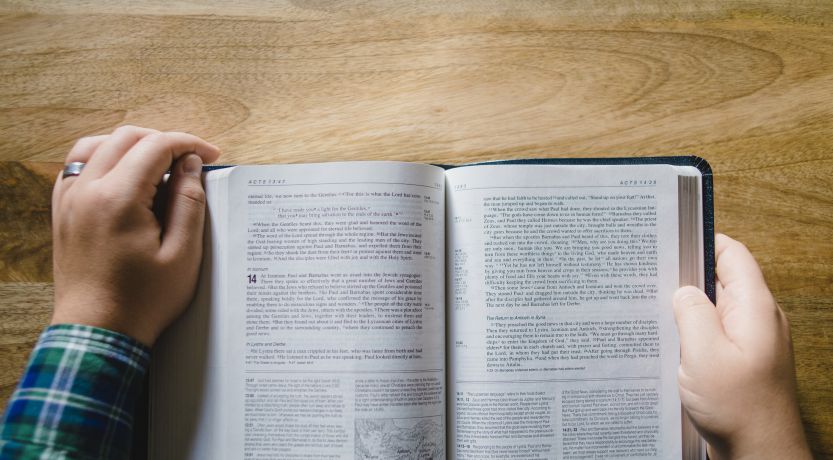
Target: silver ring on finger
{"x": 73, "y": 169}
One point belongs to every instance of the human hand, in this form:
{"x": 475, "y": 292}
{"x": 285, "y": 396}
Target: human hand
{"x": 737, "y": 377}
{"x": 116, "y": 264}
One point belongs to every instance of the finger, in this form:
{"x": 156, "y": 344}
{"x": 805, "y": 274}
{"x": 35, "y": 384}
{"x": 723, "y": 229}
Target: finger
{"x": 701, "y": 330}
{"x": 182, "y": 235}
{"x": 143, "y": 166}
{"x": 84, "y": 148}
{"x": 744, "y": 290}
{"x": 81, "y": 152}
{"x": 56, "y": 203}
{"x": 745, "y": 303}
{"x": 737, "y": 266}
{"x": 109, "y": 152}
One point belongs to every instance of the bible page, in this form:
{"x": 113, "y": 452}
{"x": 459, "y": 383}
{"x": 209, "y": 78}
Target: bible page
{"x": 332, "y": 323}
{"x": 337, "y": 297}
{"x": 562, "y": 342}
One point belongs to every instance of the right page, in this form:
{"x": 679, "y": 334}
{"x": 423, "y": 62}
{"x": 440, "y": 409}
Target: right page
{"x": 562, "y": 342}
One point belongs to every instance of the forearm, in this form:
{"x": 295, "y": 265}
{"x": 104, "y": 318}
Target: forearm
{"x": 77, "y": 396}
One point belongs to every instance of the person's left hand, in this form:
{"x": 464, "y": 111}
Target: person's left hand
{"x": 116, "y": 264}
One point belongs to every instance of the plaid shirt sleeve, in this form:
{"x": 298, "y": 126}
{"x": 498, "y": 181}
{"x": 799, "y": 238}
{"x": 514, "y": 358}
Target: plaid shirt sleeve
{"x": 77, "y": 397}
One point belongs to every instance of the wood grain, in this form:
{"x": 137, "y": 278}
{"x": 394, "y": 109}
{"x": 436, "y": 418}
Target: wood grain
{"x": 745, "y": 84}
{"x": 25, "y": 308}
{"x": 25, "y": 236}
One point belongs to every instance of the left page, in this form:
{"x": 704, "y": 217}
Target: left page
{"x": 329, "y": 342}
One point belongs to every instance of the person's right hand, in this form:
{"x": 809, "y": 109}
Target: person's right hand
{"x": 737, "y": 377}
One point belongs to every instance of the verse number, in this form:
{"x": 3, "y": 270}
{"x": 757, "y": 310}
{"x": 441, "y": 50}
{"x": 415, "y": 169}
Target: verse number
{"x": 252, "y": 278}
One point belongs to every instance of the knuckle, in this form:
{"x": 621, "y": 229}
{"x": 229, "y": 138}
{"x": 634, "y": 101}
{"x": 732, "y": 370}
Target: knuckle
{"x": 155, "y": 145}
{"x": 155, "y": 140}
{"x": 701, "y": 302}
{"x": 193, "y": 193}
{"x": 126, "y": 130}
{"x": 82, "y": 143}
{"x": 782, "y": 317}
{"x": 740, "y": 246}
{"x": 134, "y": 133}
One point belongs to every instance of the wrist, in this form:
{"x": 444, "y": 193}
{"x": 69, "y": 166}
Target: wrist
{"x": 97, "y": 315}
{"x": 778, "y": 438}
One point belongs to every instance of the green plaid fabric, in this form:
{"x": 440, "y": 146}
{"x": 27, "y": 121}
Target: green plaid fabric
{"x": 77, "y": 396}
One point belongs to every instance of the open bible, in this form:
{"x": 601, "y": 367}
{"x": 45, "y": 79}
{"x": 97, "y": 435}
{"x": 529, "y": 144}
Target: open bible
{"x": 384, "y": 310}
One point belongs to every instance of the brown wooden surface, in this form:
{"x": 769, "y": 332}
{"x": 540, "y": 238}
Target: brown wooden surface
{"x": 747, "y": 85}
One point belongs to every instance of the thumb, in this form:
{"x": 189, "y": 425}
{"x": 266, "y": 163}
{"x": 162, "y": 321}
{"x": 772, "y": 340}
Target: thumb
{"x": 182, "y": 236}
{"x": 698, "y": 322}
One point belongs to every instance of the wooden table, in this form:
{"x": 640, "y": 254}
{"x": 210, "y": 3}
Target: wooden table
{"x": 747, "y": 85}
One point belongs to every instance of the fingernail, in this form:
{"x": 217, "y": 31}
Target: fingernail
{"x": 192, "y": 165}
{"x": 687, "y": 295}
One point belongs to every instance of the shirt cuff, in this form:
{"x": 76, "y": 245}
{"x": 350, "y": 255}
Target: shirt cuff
{"x": 78, "y": 394}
